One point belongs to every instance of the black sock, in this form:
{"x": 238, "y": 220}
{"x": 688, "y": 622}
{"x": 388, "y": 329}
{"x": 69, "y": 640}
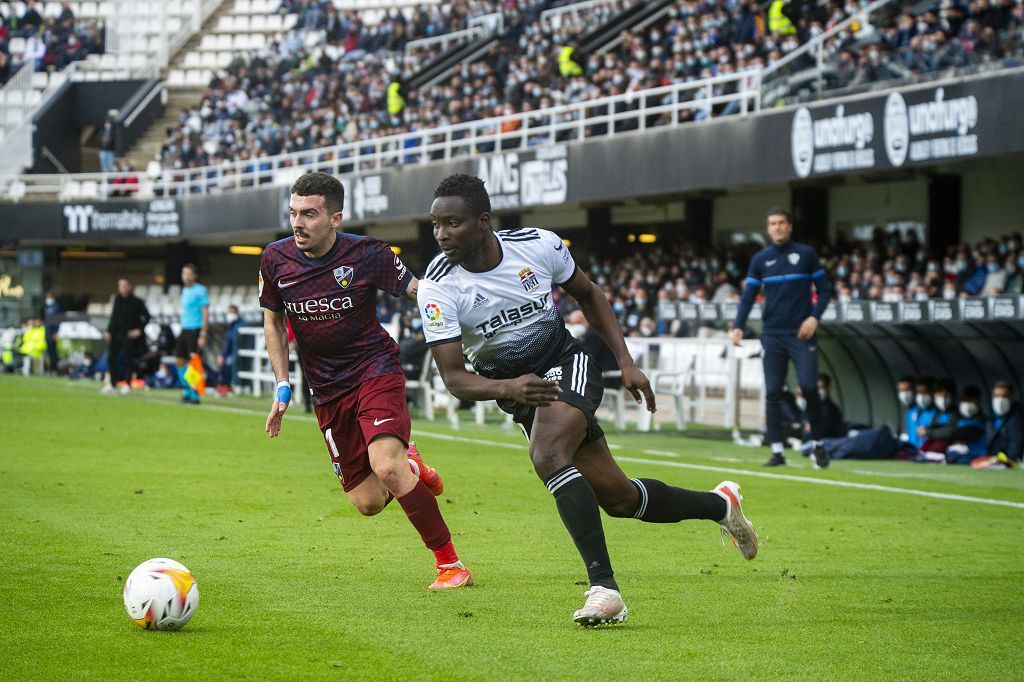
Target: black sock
{"x": 660, "y": 503}
{"x": 578, "y": 508}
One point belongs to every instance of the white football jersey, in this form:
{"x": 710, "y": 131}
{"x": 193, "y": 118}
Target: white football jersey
{"x": 505, "y": 318}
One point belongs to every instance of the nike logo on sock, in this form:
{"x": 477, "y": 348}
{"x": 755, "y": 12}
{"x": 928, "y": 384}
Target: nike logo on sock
{"x": 378, "y": 422}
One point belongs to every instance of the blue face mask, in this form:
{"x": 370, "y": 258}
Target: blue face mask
{"x": 416, "y": 324}
{"x": 841, "y": 271}
{"x": 993, "y": 267}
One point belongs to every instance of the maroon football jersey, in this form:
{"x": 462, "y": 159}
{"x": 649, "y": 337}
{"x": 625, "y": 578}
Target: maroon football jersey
{"x": 331, "y": 304}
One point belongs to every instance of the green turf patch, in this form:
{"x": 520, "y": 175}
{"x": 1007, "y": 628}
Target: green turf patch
{"x": 873, "y": 581}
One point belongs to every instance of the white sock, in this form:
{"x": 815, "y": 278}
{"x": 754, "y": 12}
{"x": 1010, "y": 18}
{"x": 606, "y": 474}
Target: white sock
{"x": 778, "y": 448}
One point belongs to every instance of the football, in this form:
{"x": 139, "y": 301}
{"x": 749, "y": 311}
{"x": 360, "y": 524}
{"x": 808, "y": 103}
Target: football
{"x": 161, "y": 594}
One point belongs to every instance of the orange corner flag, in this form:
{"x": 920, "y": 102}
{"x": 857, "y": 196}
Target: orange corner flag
{"x": 194, "y": 376}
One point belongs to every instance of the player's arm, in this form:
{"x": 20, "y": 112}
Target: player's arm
{"x": 750, "y": 292}
{"x": 824, "y": 290}
{"x": 412, "y": 289}
{"x": 598, "y": 312}
{"x": 275, "y": 334}
{"x": 528, "y": 389}
{"x": 205, "y": 325}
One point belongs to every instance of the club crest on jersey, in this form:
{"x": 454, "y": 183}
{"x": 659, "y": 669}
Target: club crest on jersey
{"x": 433, "y": 317}
{"x": 528, "y": 279}
{"x": 794, "y": 258}
{"x": 343, "y": 275}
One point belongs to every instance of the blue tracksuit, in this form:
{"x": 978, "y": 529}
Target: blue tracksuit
{"x": 786, "y": 273}
{"x": 918, "y": 417}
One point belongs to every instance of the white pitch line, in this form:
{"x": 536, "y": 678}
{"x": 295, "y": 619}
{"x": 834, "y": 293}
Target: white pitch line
{"x": 829, "y": 481}
{"x": 680, "y": 465}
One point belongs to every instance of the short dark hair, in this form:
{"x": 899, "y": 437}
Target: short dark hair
{"x": 825, "y": 379}
{"x": 778, "y": 210}
{"x": 907, "y": 379}
{"x": 190, "y": 266}
{"x": 971, "y": 393}
{"x": 321, "y": 184}
{"x": 469, "y": 188}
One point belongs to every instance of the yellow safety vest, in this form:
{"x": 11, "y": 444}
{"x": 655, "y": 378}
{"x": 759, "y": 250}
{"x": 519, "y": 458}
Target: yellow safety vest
{"x": 566, "y": 66}
{"x": 395, "y": 100}
{"x": 33, "y": 342}
{"x": 777, "y": 21}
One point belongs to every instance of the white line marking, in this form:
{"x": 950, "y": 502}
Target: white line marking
{"x": 681, "y": 465}
{"x": 828, "y": 481}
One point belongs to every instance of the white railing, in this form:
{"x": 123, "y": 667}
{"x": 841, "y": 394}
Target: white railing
{"x": 600, "y": 118}
{"x": 259, "y": 377}
{"x": 485, "y": 24}
{"x": 19, "y": 103}
{"x": 551, "y": 19}
{"x": 816, "y": 46}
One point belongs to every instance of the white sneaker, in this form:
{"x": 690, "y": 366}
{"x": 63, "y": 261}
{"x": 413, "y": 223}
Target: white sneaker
{"x": 735, "y": 523}
{"x": 108, "y": 390}
{"x": 124, "y": 390}
{"x": 603, "y": 606}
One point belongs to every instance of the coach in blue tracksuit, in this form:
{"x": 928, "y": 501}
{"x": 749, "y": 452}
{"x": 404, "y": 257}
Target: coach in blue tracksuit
{"x": 786, "y": 270}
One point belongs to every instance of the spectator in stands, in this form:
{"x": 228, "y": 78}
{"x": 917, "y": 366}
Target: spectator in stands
{"x": 30, "y": 20}
{"x": 107, "y": 144}
{"x": 1005, "y": 433}
{"x": 126, "y": 335}
{"x": 6, "y": 68}
{"x": 228, "y": 352}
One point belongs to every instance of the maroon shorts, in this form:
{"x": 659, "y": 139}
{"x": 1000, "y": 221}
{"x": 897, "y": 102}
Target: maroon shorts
{"x": 350, "y": 421}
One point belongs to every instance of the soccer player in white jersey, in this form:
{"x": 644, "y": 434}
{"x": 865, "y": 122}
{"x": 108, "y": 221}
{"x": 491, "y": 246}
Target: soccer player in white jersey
{"x": 488, "y": 295}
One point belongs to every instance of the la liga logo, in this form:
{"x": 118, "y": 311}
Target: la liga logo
{"x": 432, "y": 311}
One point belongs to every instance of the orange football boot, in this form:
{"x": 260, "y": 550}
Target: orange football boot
{"x": 451, "y": 575}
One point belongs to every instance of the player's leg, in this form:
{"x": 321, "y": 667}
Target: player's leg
{"x": 646, "y": 499}
{"x": 775, "y": 361}
{"x": 805, "y": 360}
{"x": 556, "y": 432}
{"x": 383, "y": 418}
{"x": 184, "y": 346}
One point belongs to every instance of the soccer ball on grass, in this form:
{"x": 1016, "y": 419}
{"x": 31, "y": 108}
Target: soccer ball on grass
{"x": 161, "y": 594}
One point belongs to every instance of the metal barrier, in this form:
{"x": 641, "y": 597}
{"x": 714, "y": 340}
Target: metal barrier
{"x": 257, "y": 375}
{"x": 551, "y": 19}
{"x": 606, "y": 117}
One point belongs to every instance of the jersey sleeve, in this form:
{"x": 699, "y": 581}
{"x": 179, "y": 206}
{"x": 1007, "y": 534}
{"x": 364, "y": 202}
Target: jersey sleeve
{"x": 439, "y": 314}
{"x": 269, "y": 296}
{"x": 559, "y": 259}
{"x": 203, "y": 299}
{"x": 387, "y": 272}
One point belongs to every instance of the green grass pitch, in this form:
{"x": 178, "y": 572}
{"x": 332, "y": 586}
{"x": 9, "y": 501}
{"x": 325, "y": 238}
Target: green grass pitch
{"x": 852, "y": 582}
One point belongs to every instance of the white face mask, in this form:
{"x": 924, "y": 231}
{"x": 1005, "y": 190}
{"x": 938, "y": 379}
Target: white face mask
{"x": 906, "y": 398}
{"x": 822, "y": 393}
{"x": 923, "y": 400}
{"x": 1001, "y": 405}
{"x": 232, "y": 318}
{"x": 941, "y": 402}
{"x": 801, "y": 403}
{"x": 968, "y": 409}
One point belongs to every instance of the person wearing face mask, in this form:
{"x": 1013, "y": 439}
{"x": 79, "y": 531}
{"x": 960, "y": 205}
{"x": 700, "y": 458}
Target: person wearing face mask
{"x": 934, "y": 439}
{"x": 50, "y": 310}
{"x": 965, "y": 434}
{"x": 905, "y": 397}
{"x": 228, "y": 352}
{"x": 1005, "y": 432}
{"x": 922, "y": 413}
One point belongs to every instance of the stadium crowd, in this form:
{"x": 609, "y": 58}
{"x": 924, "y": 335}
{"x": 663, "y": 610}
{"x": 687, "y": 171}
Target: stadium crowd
{"x": 301, "y": 94}
{"x": 45, "y": 43}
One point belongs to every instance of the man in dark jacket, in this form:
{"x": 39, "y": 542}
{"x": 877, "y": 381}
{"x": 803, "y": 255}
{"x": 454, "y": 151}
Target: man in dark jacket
{"x": 126, "y": 336}
{"x": 1005, "y": 432}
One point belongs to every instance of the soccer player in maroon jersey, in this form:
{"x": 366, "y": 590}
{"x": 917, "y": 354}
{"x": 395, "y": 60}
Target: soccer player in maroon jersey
{"x": 326, "y": 282}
